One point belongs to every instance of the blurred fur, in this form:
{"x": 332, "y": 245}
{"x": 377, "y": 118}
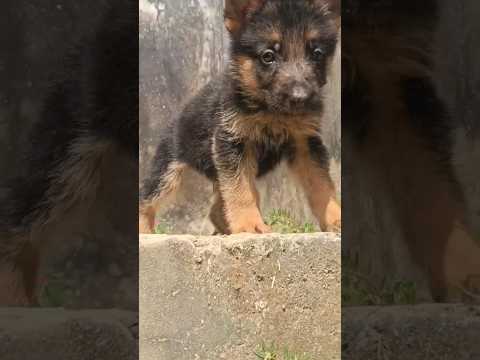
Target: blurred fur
{"x": 88, "y": 122}
{"x": 397, "y": 135}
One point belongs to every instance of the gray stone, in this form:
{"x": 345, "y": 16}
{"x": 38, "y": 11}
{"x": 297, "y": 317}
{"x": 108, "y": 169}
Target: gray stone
{"x": 247, "y": 289}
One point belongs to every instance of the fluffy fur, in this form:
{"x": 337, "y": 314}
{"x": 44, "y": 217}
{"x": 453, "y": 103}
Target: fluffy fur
{"x": 89, "y": 119}
{"x": 397, "y": 135}
{"x": 266, "y": 108}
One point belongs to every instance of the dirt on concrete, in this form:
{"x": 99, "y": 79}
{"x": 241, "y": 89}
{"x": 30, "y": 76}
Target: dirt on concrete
{"x": 221, "y": 297}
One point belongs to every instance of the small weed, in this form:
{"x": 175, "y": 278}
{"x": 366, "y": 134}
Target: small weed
{"x": 162, "y": 228}
{"x": 357, "y": 289}
{"x": 283, "y": 222}
{"x": 53, "y": 294}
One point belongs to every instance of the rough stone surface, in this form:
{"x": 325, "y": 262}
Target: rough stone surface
{"x": 54, "y": 334}
{"x": 220, "y": 297}
{"x": 420, "y": 332}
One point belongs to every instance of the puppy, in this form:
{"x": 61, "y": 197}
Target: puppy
{"x": 266, "y": 108}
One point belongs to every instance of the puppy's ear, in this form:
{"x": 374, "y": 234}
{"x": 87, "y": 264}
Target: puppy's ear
{"x": 237, "y": 12}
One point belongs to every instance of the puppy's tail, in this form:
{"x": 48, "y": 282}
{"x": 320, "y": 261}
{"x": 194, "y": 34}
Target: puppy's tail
{"x": 155, "y": 193}
{"x": 19, "y": 257}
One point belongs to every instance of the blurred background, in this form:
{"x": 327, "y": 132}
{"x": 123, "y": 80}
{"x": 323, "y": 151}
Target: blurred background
{"x": 183, "y": 45}
{"x": 81, "y": 271}
{"x": 373, "y": 240}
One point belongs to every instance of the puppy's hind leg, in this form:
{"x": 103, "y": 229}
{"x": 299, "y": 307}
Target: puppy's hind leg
{"x": 162, "y": 182}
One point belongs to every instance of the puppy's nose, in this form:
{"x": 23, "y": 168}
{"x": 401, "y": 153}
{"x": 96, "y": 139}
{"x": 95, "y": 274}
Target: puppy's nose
{"x": 299, "y": 93}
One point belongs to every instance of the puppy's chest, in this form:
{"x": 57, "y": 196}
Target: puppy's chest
{"x": 271, "y": 138}
{"x": 273, "y": 145}
{"x": 273, "y": 130}
{"x": 269, "y": 154}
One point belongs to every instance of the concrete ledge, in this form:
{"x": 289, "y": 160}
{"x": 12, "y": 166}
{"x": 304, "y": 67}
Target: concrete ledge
{"x": 55, "y": 334}
{"x": 433, "y": 332}
{"x": 219, "y": 297}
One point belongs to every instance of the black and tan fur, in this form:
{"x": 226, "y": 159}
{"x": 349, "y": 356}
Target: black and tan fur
{"x": 87, "y": 127}
{"x": 266, "y": 108}
{"x": 397, "y": 134}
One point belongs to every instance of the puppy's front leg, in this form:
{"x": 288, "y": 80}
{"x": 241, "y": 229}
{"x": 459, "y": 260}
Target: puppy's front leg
{"x": 237, "y": 168}
{"x": 310, "y": 167}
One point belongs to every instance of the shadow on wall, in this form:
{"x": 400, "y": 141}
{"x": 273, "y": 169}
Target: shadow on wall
{"x": 182, "y": 46}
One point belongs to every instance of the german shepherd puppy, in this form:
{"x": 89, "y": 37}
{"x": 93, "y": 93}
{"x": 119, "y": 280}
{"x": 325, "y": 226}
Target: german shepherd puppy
{"x": 89, "y": 122}
{"x": 266, "y": 108}
{"x": 398, "y": 135}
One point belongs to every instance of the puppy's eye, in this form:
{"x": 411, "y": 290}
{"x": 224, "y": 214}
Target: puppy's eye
{"x": 268, "y": 57}
{"x": 317, "y": 54}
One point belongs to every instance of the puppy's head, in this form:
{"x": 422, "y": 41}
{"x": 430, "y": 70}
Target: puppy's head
{"x": 281, "y": 51}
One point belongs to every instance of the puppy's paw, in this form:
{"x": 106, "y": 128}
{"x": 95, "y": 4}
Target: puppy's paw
{"x": 333, "y": 217}
{"x": 335, "y": 226}
{"x": 254, "y": 226}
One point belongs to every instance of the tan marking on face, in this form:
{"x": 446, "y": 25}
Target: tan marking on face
{"x": 247, "y": 76}
{"x": 318, "y": 187}
{"x": 275, "y": 37}
{"x": 311, "y": 34}
{"x": 232, "y": 25}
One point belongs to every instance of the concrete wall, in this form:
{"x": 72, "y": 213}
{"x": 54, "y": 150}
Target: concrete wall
{"x": 221, "y": 297}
